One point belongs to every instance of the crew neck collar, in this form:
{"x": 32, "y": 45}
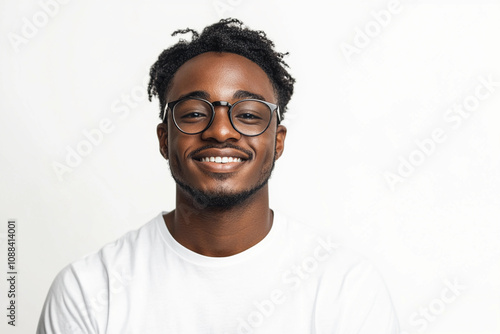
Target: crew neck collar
{"x": 269, "y": 240}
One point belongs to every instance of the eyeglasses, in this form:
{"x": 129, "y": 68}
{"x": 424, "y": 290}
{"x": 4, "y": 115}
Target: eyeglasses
{"x": 250, "y": 117}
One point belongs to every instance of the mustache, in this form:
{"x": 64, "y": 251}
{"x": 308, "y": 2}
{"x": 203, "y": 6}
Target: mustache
{"x": 226, "y": 145}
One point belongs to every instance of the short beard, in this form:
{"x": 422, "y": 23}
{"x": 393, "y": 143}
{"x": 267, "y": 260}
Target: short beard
{"x": 219, "y": 200}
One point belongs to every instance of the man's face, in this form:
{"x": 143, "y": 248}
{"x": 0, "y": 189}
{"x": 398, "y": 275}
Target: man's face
{"x": 221, "y": 77}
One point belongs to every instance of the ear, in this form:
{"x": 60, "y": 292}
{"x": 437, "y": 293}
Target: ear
{"x": 280, "y": 141}
{"x": 162, "y": 132}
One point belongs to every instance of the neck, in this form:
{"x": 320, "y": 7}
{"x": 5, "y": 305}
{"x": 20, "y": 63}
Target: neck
{"x": 220, "y": 232}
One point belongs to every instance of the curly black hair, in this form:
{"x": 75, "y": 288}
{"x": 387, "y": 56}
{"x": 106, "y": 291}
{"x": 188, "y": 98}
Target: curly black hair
{"x": 228, "y": 35}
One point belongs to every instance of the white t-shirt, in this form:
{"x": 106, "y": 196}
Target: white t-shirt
{"x": 293, "y": 281}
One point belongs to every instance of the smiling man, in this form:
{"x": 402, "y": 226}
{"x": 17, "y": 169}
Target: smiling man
{"x": 221, "y": 137}
{"x": 222, "y": 261}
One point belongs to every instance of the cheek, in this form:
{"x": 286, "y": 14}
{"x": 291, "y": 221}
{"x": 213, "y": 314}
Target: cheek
{"x": 264, "y": 148}
{"x": 175, "y": 146}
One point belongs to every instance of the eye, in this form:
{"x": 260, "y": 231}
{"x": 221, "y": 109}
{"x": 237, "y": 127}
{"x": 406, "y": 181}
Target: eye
{"x": 248, "y": 115}
{"x": 193, "y": 115}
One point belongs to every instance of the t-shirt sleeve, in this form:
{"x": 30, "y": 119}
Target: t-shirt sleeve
{"x": 367, "y": 304}
{"x": 66, "y": 308}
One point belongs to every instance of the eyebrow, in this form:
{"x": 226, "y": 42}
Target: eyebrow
{"x": 239, "y": 94}
{"x": 197, "y": 93}
{"x": 243, "y": 94}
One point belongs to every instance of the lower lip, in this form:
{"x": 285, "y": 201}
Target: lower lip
{"x": 215, "y": 167}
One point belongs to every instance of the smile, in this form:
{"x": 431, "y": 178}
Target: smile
{"x": 220, "y": 160}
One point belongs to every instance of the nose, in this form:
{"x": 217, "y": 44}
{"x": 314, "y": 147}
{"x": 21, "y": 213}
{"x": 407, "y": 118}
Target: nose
{"x": 221, "y": 129}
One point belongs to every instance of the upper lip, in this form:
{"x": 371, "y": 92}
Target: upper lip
{"x": 220, "y": 152}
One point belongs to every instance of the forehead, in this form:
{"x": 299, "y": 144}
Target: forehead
{"x": 220, "y": 74}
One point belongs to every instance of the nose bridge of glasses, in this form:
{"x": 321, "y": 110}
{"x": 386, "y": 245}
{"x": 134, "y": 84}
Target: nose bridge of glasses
{"x": 221, "y": 103}
{"x": 223, "y": 123}
{"x": 216, "y": 104}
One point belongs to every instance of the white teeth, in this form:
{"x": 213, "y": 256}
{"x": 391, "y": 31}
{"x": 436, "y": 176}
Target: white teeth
{"x": 220, "y": 160}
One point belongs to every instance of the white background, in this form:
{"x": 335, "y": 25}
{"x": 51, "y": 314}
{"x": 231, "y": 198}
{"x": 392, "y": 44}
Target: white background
{"x": 352, "y": 120}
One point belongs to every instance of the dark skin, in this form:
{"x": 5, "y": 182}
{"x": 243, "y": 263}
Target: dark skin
{"x": 215, "y": 231}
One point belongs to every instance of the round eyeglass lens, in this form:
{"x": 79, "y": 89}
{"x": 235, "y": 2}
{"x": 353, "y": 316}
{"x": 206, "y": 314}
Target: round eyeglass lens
{"x": 250, "y": 117}
{"x": 192, "y": 116}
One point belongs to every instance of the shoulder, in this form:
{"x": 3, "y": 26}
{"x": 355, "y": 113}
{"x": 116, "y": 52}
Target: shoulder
{"x": 79, "y": 294}
{"x": 318, "y": 248}
{"x": 322, "y": 244}
{"x": 347, "y": 283}
{"x": 120, "y": 252}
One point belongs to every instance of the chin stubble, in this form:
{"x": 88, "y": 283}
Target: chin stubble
{"x": 221, "y": 199}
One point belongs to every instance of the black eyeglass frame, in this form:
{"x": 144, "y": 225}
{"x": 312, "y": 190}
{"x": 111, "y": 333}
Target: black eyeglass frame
{"x": 272, "y": 108}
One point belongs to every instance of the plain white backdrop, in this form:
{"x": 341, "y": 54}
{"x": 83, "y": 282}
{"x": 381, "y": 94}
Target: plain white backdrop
{"x": 393, "y": 142}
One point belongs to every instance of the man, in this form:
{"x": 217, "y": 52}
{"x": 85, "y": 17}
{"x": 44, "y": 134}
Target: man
{"x": 222, "y": 261}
